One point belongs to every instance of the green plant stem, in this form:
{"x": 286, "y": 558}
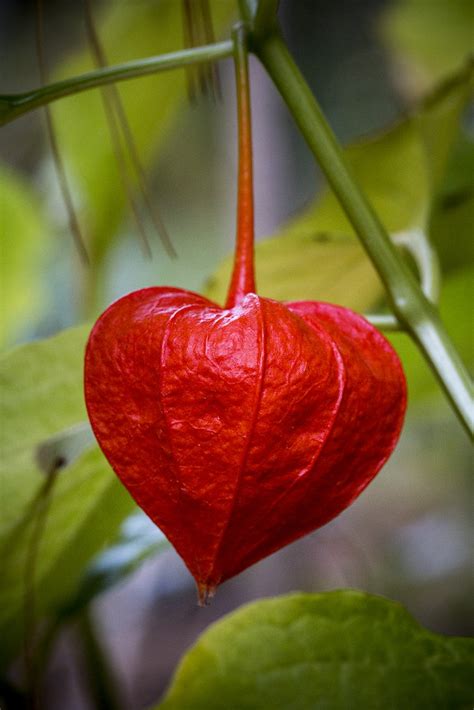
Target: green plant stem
{"x": 384, "y": 321}
{"x": 14, "y": 105}
{"x": 265, "y": 18}
{"x": 413, "y": 310}
{"x": 416, "y": 243}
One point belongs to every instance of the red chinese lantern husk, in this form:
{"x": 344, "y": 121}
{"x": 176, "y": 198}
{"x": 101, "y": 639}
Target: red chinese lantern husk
{"x": 240, "y": 429}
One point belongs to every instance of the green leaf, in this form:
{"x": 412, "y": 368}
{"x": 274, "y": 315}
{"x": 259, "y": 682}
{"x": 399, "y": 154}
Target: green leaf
{"x": 332, "y": 651}
{"x": 316, "y": 255}
{"x": 127, "y": 31}
{"x": 429, "y": 39}
{"x": 25, "y": 238}
{"x": 453, "y": 213}
{"x": 456, "y": 311}
{"x": 41, "y": 396}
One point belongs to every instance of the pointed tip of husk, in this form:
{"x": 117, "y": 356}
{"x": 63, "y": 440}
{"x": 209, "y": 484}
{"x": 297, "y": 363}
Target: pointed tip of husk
{"x": 205, "y": 593}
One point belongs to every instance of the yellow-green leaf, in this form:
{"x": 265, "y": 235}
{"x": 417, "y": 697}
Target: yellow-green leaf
{"x": 25, "y": 238}
{"x": 333, "y": 651}
{"x": 429, "y": 38}
{"x": 41, "y": 395}
{"x": 452, "y": 217}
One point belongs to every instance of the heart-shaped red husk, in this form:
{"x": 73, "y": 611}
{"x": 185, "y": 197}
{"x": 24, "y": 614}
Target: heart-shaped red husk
{"x": 240, "y": 430}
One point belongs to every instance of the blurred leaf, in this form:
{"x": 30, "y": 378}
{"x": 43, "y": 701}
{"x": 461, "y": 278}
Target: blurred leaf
{"x": 338, "y": 650}
{"x": 452, "y": 218}
{"x": 138, "y": 540}
{"x": 440, "y": 120}
{"x": 400, "y": 169}
{"x": 432, "y": 38}
{"x": 456, "y": 311}
{"x": 315, "y": 255}
{"x": 41, "y": 386}
{"x": 127, "y": 31}
{"x": 392, "y": 171}
{"x": 25, "y": 237}
{"x": 310, "y": 265}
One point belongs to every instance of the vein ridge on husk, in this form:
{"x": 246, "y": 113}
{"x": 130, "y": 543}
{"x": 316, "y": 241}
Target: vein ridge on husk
{"x": 260, "y": 376}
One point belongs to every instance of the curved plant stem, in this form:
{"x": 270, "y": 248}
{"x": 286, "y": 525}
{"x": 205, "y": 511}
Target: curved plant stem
{"x": 416, "y": 243}
{"x": 415, "y": 312}
{"x": 14, "y": 105}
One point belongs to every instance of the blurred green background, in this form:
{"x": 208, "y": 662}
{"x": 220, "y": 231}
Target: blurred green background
{"x": 370, "y": 63}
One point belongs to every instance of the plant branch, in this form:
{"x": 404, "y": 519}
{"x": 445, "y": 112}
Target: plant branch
{"x": 265, "y": 17}
{"x": 14, "y": 105}
{"x": 416, "y": 243}
{"x": 260, "y": 16}
{"x": 414, "y": 311}
{"x": 384, "y": 321}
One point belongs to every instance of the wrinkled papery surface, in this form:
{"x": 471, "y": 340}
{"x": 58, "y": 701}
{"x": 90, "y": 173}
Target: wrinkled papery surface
{"x": 238, "y": 431}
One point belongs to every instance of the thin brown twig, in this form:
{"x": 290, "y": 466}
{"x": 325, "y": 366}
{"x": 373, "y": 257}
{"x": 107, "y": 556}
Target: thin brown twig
{"x": 197, "y": 30}
{"x": 194, "y": 31}
{"x": 190, "y": 70}
{"x": 209, "y": 38}
{"x": 74, "y": 225}
{"x": 199, "y": 34}
{"x": 109, "y": 102}
{"x": 118, "y": 107}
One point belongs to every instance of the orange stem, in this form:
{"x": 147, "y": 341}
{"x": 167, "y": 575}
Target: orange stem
{"x": 243, "y": 277}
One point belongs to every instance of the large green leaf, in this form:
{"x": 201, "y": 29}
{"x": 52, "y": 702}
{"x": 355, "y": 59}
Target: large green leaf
{"x": 429, "y": 39}
{"x": 332, "y": 651}
{"x": 41, "y": 396}
{"x": 25, "y": 238}
{"x": 316, "y": 255}
{"x": 128, "y": 31}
